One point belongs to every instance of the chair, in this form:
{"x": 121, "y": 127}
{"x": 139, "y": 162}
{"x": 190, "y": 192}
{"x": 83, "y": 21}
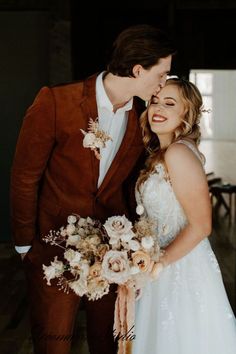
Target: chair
{"x": 218, "y": 191}
{"x": 214, "y": 180}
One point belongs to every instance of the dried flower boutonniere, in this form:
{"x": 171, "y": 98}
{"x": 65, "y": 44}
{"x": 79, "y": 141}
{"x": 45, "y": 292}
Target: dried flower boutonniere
{"x": 95, "y": 139}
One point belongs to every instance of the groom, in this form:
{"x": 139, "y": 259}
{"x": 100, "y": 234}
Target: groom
{"x": 53, "y": 175}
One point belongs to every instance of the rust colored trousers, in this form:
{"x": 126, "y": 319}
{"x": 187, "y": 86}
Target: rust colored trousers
{"x": 53, "y": 313}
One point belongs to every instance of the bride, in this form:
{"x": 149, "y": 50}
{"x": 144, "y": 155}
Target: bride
{"x": 185, "y": 310}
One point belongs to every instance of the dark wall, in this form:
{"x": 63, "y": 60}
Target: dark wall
{"x": 204, "y": 35}
{"x": 24, "y": 69}
{"x": 94, "y": 32}
{"x": 206, "y": 38}
{"x": 35, "y": 51}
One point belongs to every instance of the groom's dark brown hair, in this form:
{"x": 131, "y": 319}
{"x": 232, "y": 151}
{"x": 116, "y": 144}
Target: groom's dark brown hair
{"x": 139, "y": 44}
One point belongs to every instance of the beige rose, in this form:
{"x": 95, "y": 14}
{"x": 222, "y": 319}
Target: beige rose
{"x": 118, "y": 225}
{"x": 141, "y": 260}
{"x": 115, "y": 267}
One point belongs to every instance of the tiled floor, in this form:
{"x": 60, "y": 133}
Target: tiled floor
{"x": 14, "y": 322}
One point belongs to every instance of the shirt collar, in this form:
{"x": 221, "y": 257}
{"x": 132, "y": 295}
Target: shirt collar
{"x": 102, "y": 98}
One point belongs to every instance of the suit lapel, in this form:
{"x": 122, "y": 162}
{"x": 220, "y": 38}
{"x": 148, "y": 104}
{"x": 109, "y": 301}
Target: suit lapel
{"x": 89, "y": 108}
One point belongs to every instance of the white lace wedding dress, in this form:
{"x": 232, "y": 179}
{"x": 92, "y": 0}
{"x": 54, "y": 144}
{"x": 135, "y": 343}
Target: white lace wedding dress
{"x": 186, "y": 310}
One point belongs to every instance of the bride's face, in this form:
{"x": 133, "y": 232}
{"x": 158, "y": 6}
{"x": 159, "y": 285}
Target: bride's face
{"x": 166, "y": 110}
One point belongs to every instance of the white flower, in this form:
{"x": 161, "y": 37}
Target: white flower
{"x": 147, "y": 242}
{"x": 72, "y": 240}
{"x": 73, "y": 257}
{"x": 84, "y": 266}
{"x": 89, "y": 140}
{"x": 89, "y": 221}
{"x": 139, "y": 209}
{"x": 114, "y": 242}
{"x": 97, "y": 288}
{"x": 53, "y": 271}
{"x": 95, "y": 138}
{"x": 118, "y": 225}
{"x": 70, "y": 228}
{"x": 115, "y": 267}
{"x": 71, "y": 219}
{"x": 81, "y": 232}
{"x": 127, "y": 237}
{"x": 63, "y": 232}
{"x": 50, "y": 273}
{"x": 134, "y": 245}
{"x": 82, "y": 222}
{"x": 79, "y": 286}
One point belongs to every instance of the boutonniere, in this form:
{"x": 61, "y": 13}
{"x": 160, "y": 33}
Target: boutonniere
{"x": 95, "y": 138}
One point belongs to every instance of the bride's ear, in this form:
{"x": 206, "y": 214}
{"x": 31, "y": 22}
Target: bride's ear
{"x": 137, "y": 70}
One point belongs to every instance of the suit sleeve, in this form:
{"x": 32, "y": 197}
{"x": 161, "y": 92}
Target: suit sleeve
{"x": 34, "y": 146}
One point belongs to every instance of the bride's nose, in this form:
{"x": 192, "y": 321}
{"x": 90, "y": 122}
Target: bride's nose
{"x": 159, "y": 106}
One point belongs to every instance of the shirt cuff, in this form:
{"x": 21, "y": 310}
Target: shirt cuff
{"x": 22, "y": 249}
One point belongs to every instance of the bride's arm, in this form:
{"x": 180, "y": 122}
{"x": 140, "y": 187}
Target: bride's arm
{"x": 190, "y": 186}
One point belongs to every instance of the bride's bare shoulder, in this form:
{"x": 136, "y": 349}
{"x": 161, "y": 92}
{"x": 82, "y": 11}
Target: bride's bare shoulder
{"x": 183, "y": 156}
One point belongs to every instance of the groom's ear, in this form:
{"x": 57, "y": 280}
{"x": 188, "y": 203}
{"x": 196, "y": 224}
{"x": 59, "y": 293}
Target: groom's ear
{"x": 137, "y": 70}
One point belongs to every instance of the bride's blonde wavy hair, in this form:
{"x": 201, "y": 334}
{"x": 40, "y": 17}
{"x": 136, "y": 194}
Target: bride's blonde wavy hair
{"x": 189, "y": 128}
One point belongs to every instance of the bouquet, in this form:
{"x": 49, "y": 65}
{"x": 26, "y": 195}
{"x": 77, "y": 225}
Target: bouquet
{"x": 97, "y": 255}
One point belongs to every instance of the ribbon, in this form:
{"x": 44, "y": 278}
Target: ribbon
{"x": 124, "y": 318}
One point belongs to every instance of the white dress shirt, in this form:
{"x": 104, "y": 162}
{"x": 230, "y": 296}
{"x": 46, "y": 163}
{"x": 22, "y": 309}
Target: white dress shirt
{"x": 114, "y": 124}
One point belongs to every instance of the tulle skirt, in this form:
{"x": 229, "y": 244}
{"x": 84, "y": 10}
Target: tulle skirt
{"x": 186, "y": 310}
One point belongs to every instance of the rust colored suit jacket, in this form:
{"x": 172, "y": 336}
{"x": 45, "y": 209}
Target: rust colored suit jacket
{"x": 53, "y": 175}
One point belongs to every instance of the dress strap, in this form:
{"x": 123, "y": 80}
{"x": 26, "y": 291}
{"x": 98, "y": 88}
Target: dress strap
{"x": 191, "y": 147}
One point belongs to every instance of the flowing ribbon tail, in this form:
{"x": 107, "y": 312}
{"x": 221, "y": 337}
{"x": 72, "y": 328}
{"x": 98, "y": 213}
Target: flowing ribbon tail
{"x": 124, "y": 318}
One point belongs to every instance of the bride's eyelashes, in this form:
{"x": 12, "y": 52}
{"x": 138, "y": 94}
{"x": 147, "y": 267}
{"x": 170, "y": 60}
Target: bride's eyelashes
{"x": 167, "y": 102}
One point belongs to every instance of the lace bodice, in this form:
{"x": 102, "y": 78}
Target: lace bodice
{"x": 157, "y": 197}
